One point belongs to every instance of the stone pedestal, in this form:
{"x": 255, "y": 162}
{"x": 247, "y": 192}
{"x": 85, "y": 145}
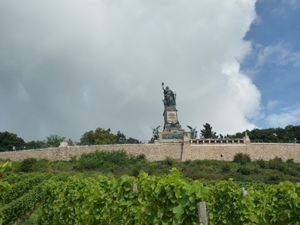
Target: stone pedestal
{"x": 172, "y": 131}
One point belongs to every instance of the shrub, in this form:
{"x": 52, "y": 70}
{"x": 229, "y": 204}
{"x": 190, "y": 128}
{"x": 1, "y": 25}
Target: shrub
{"x": 242, "y": 158}
{"x": 168, "y": 161}
{"x": 276, "y": 164}
{"x": 244, "y": 170}
{"x": 225, "y": 169}
{"x": 262, "y": 164}
{"x": 291, "y": 172}
{"x": 42, "y": 165}
{"x": 187, "y": 162}
{"x": 73, "y": 159}
{"x": 107, "y": 160}
{"x": 273, "y": 179}
{"x": 135, "y": 172}
{"x": 27, "y": 165}
{"x": 141, "y": 157}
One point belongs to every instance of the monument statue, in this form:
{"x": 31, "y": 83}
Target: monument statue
{"x": 155, "y": 132}
{"x": 169, "y": 96}
{"x": 193, "y": 132}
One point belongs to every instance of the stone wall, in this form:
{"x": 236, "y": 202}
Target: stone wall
{"x": 254, "y": 150}
{"x": 177, "y": 151}
{"x": 153, "y": 152}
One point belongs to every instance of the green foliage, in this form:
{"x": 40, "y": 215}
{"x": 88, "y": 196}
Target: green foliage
{"x": 166, "y": 200}
{"x": 242, "y": 158}
{"x": 19, "y": 208}
{"x": 36, "y": 144}
{"x": 103, "y": 136}
{"x": 262, "y": 164}
{"x": 149, "y": 199}
{"x": 107, "y": 160}
{"x": 272, "y": 179}
{"x": 226, "y": 205}
{"x": 9, "y": 140}
{"x": 87, "y": 138}
{"x": 25, "y": 194}
{"x": 225, "y": 168}
{"x": 54, "y": 140}
{"x": 207, "y": 132}
{"x": 289, "y": 134}
{"x": 245, "y": 170}
{"x": 239, "y": 135}
{"x": 27, "y": 165}
{"x": 169, "y": 161}
{"x": 13, "y": 178}
{"x": 276, "y": 164}
{"x": 4, "y": 188}
{"x": 279, "y": 204}
{"x": 42, "y": 166}
{"x": 23, "y": 186}
{"x": 133, "y": 141}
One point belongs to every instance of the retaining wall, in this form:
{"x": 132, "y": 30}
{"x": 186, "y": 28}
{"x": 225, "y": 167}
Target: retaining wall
{"x": 177, "y": 151}
{"x": 254, "y": 150}
{"x": 153, "y": 152}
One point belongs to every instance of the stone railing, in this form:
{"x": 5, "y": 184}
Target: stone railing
{"x": 208, "y": 141}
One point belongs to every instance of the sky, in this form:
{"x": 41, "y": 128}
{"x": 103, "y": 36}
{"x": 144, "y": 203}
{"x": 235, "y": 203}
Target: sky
{"x": 68, "y": 67}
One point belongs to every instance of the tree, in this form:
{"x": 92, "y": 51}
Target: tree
{"x": 99, "y": 136}
{"x": 151, "y": 141}
{"x": 53, "y": 140}
{"x": 207, "y": 132}
{"x": 70, "y": 142}
{"x": 132, "y": 141}
{"x": 87, "y": 138}
{"x": 102, "y": 136}
{"x": 282, "y": 135}
{"x": 36, "y": 144}
{"x": 10, "y": 141}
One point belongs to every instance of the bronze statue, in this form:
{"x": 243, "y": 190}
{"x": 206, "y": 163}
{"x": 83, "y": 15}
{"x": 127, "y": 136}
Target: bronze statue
{"x": 155, "y": 132}
{"x": 193, "y": 132}
{"x": 169, "y": 96}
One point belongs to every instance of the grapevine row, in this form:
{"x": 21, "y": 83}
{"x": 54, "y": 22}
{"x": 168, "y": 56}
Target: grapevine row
{"x": 20, "y": 207}
{"x": 22, "y": 187}
{"x": 166, "y": 200}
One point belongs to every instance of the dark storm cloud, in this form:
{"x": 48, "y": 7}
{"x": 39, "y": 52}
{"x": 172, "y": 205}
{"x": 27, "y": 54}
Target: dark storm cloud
{"x": 69, "y": 67}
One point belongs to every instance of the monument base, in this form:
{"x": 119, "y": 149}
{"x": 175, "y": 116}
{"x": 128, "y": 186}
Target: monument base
{"x": 172, "y": 132}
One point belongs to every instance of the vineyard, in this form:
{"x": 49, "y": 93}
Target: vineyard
{"x": 144, "y": 199}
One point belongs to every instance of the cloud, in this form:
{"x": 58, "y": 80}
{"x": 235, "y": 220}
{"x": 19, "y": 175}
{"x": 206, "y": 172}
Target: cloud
{"x": 283, "y": 8}
{"x": 287, "y": 116}
{"x": 68, "y": 67}
{"x": 277, "y": 54}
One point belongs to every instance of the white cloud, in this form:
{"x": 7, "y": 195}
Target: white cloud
{"x": 242, "y": 90}
{"x": 277, "y": 54}
{"x": 283, "y": 8}
{"x": 68, "y": 67}
{"x": 287, "y": 116}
